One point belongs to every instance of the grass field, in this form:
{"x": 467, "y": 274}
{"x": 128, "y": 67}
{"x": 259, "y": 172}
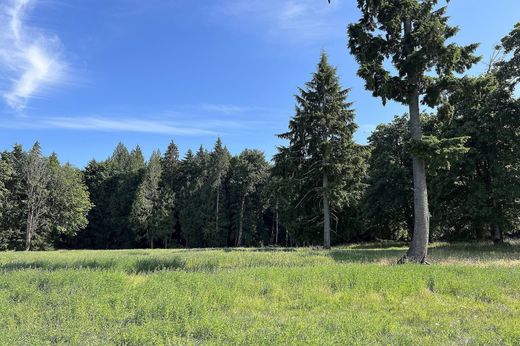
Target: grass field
{"x": 350, "y": 295}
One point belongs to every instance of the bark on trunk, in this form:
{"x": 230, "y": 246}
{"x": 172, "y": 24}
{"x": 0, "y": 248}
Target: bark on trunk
{"x": 241, "y": 221}
{"x": 418, "y": 250}
{"x": 326, "y": 214}
{"x": 28, "y": 233}
{"x": 498, "y": 237}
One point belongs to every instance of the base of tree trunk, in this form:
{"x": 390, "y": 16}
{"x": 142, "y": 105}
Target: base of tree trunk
{"x": 411, "y": 259}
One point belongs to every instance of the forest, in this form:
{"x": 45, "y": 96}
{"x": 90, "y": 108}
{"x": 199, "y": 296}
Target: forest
{"x": 321, "y": 188}
{"x": 412, "y": 238}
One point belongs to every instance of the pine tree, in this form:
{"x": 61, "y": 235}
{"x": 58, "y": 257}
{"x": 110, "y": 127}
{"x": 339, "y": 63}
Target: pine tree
{"x": 412, "y": 35}
{"x": 321, "y": 153}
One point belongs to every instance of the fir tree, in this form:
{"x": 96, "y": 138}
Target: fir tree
{"x": 321, "y": 153}
{"x": 412, "y": 35}
{"x": 145, "y": 208}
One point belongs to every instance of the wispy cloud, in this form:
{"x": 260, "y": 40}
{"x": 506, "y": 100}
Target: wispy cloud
{"x": 295, "y": 20}
{"x": 31, "y": 59}
{"x": 124, "y": 125}
{"x": 169, "y": 126}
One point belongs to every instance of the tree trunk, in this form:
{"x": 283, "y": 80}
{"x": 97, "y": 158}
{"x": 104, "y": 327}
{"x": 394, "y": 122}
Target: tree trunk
{"x": 151, "y": 243}
{"x": 498, "y": 237}
{"x": 216, "y": 213}
{"x": 241, "y": 221}
{"x": 326, "y": 214}
{"x": 28, "y": 233}
{"x": 277, "y": 225}
{"x": 418, "y": 250}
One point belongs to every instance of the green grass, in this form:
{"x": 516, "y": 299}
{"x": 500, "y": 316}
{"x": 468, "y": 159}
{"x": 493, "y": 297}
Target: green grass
{"x": 350, "y": 295}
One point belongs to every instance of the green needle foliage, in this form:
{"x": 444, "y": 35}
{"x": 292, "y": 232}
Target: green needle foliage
{"x": 321, "y": 162}
{"x": 410, "y": 35}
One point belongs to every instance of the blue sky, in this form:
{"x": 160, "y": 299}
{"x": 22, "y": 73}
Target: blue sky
{"x": 82, "y": 75}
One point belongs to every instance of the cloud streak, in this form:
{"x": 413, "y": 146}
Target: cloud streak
{"x": 31, "y": 59}
{"x": 182, "y": 127}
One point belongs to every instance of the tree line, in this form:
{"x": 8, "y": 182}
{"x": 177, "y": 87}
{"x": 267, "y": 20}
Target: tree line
{"x": 321, "y": 187}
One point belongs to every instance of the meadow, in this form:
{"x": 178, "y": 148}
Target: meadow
{"x": 349, "y": 295}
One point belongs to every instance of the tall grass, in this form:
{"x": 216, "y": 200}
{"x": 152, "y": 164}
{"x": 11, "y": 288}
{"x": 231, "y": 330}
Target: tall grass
{"x": 350, "y": 295}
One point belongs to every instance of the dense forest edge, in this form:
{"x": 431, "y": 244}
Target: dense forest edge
{"x": 321, "y": 188}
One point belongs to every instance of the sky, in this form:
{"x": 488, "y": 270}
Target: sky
{"x": 79, "y": 76}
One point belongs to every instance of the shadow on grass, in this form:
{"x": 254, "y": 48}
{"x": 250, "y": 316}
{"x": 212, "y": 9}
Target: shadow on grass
{"x": 260, "y": 249}
{"x": 392, "y": 251}
{"x": 138, "y": 266}
{"x": 147, "y": 265}
{"x": 364, "y": 256}
{"x": 46, "y": 265}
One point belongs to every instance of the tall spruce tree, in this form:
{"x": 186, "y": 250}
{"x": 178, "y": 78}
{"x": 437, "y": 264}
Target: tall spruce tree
{"x": 321, "y": 153}
{"x": 412, "y": 35}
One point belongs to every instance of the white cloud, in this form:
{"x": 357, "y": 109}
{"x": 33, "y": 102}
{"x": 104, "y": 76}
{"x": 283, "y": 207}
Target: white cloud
{"x": 30, "y": 57}
{"x": 125, "y": 125}
{"x": 183, "y": 127}
{"x": 294, "y": 20}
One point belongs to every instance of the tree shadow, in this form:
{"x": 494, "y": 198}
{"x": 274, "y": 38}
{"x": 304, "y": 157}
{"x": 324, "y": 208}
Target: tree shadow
{"x": 365, "y": 255}
{"x": 138, "y": 266}
{"x": 148, "y": 265}
{"x": 260, "y": 249}
{"x": 52, "y": 266}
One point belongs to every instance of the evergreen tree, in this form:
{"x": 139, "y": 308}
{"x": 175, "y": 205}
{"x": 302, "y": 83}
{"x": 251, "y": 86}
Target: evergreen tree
{"x": 170, "y": 188}
{"x": 321, "y": 153}
{"x": 218, "y": 170}
{"x": 480, "y": 194}
{"x": 6, "y": 199}
{"x": 194, "y": 213}
{"x": 249, "y": 173}
{"x": 388, "y": 202}
{"x": 146, "y": 208}
{"x": 412, "y": 35}
{"x": 137, "y": 159}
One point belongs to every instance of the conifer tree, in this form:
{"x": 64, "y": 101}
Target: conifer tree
{"x": 412, "y": 35}
{"x": 321, "y": 156}
{"x": 249, "y": 171}
{"x": 218, "y": 170}
{"x": 145, "y": 208}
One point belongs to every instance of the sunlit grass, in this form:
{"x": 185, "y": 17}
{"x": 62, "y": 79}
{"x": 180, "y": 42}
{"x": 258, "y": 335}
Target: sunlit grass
{"x": 349, "y": 295}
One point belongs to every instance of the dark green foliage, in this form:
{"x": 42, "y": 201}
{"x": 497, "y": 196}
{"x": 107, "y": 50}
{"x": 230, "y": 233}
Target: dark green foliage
{"x": 388, "y": 203}
{"x": 321, "y": 165}
{"x": 412, "y": 36}
{"x": 478, "y": 197}
{"x": 249, "y": 174}
{"x": 148, "y": 210}
{"x": 41, "y": 201}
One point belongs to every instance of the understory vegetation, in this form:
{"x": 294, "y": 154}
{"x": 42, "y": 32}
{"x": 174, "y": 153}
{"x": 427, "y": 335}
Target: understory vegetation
{"x": 348, "y": 295}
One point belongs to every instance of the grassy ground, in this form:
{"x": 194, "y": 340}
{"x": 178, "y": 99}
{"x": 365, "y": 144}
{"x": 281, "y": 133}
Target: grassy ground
{"x": 350, "y": 295}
